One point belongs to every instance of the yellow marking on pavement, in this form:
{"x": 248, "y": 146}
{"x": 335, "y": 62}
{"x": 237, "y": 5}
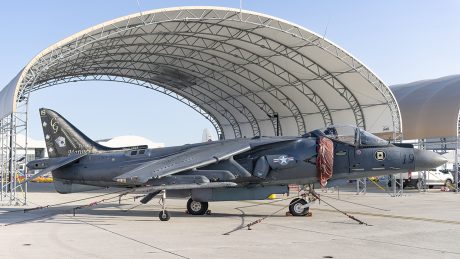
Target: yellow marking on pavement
{"x": 375, "y": 182}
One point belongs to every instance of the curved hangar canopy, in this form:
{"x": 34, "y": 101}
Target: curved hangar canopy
{"x": 243, "y": 71}
{"x": 430, "y": 108}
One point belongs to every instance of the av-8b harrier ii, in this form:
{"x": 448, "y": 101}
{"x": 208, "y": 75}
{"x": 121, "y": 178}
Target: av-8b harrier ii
{"x": 227, "y": 170}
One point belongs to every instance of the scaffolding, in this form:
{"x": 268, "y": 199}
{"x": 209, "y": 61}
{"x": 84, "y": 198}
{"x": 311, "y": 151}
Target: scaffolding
{"x": 12, "y": 192}
{"x": 441, "y": 146}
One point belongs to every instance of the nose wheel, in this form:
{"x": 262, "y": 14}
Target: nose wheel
{"x": 299, "y": 207}
{"x": 196, "y": 207}
{"x": 164, "y": 214}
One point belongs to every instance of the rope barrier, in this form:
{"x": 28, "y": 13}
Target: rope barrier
{"x": 343, "y": 212}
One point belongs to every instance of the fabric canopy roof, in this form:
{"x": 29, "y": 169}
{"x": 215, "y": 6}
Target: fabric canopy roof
{"x": 246, "y": 72}
{"x": 429, "y": 108}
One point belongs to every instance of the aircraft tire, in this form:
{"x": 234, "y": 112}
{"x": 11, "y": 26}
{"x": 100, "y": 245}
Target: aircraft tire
{"x": 164, "y": 215}
{"x": 295, "y": 207}
{"x": 196, "y": 207}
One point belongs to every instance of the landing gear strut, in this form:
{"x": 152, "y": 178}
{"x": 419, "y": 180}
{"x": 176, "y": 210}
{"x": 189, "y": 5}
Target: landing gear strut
{"x": 164, "y": 214}
{"x": 196, "y": 207}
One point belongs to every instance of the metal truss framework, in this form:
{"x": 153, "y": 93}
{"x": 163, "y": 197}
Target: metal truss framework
{"x": 442, "y": 146}
{"x": 149, "y": 85}
{"x": 223, "y": 61}
{"x": 439, "y": 145}
{"x": 361, "y": 186}
{"x": 249, "y": 74}
{"x": 10, "y": 127}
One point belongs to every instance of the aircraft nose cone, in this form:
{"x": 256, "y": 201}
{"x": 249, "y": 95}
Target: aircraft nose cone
{"x": 425, "y": 160}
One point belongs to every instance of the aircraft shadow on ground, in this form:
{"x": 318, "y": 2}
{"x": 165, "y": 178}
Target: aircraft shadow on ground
{"x": 101, "y": 213}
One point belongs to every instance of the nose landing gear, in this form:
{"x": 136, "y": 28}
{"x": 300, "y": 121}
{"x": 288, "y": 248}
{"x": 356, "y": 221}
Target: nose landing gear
{"x": 299, "y": 207}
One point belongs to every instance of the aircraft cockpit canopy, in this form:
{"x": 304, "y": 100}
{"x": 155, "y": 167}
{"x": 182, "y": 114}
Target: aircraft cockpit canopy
{"x": 353, "y": 135}
{"x": 369, "y": 139}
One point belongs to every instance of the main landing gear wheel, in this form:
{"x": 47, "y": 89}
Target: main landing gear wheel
{"x": 164, "y": 215}
{"x": 297, "y": 207}
{"x": 196, "y": 207}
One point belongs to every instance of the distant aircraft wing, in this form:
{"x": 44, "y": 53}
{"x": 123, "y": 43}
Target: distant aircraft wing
{"x": 60, "y": 163}
{"x": 194, "y": 157}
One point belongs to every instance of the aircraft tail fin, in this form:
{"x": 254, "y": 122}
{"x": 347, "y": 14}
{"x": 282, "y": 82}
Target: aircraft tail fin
{"x": 63, "y": 139}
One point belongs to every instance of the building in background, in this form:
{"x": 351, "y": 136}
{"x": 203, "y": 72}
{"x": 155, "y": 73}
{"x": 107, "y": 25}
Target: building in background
{"x": 128, "y": 141}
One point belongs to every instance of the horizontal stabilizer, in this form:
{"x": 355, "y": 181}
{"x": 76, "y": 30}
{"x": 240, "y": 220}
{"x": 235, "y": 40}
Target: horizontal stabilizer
{"x": 56, "y": 163}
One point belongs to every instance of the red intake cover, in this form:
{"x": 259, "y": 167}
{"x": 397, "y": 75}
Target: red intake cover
{"x": 325, "y": 160}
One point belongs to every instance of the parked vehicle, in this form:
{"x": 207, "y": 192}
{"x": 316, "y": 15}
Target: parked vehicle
{"x": 440, "y": 176}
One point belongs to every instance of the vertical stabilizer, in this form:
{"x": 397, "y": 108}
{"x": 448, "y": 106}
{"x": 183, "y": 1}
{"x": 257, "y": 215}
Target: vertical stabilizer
{"x": 62, "y": 138}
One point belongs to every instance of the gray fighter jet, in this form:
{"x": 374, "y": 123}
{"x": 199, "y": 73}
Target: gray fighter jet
{"x": 227, "y": 170}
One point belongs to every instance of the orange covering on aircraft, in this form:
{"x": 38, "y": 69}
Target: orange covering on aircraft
{"x": 325, "y": 160}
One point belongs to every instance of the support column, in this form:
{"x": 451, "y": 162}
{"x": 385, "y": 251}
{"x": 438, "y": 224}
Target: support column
{"x": 361, "y": 186}
{"x": 456, "y": 166}
{"x": 422, "y": 177}
{"x": 2, "y": 159}
{"x": 13, "y": 151}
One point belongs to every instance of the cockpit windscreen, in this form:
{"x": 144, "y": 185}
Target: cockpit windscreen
{"x": 368, "y": 139}
{"x": 343, "y": 133}
{"x": 353, "y": 136}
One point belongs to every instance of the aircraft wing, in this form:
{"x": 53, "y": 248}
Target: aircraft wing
{"x": 194, "y": 157}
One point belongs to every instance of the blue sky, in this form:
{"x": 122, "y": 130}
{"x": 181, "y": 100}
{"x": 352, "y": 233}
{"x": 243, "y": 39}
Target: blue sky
{"x": 401, "y": 41}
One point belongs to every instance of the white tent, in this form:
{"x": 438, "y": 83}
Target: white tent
{"x": 248, "y": 73}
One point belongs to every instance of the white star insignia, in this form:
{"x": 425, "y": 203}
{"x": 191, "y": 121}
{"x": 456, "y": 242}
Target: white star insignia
{"x": 283, "y": 160}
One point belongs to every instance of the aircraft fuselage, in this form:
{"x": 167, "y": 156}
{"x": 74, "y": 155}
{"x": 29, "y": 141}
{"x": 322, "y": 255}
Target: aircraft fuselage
{"x": 350, "y": 162}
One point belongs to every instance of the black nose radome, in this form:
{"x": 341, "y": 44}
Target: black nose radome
{"x": 426, "y": 160}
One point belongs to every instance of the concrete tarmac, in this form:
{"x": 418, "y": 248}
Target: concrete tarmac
{"x": 416, "y": 225}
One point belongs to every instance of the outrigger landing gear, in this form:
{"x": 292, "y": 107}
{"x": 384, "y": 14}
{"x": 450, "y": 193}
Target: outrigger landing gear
{"x": 164, "y": 214}
{"x": 196, "y": 207}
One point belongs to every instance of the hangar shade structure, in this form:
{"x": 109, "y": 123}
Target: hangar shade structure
{"x": 248, "y": 73}
{"x": 429, "y": 108}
